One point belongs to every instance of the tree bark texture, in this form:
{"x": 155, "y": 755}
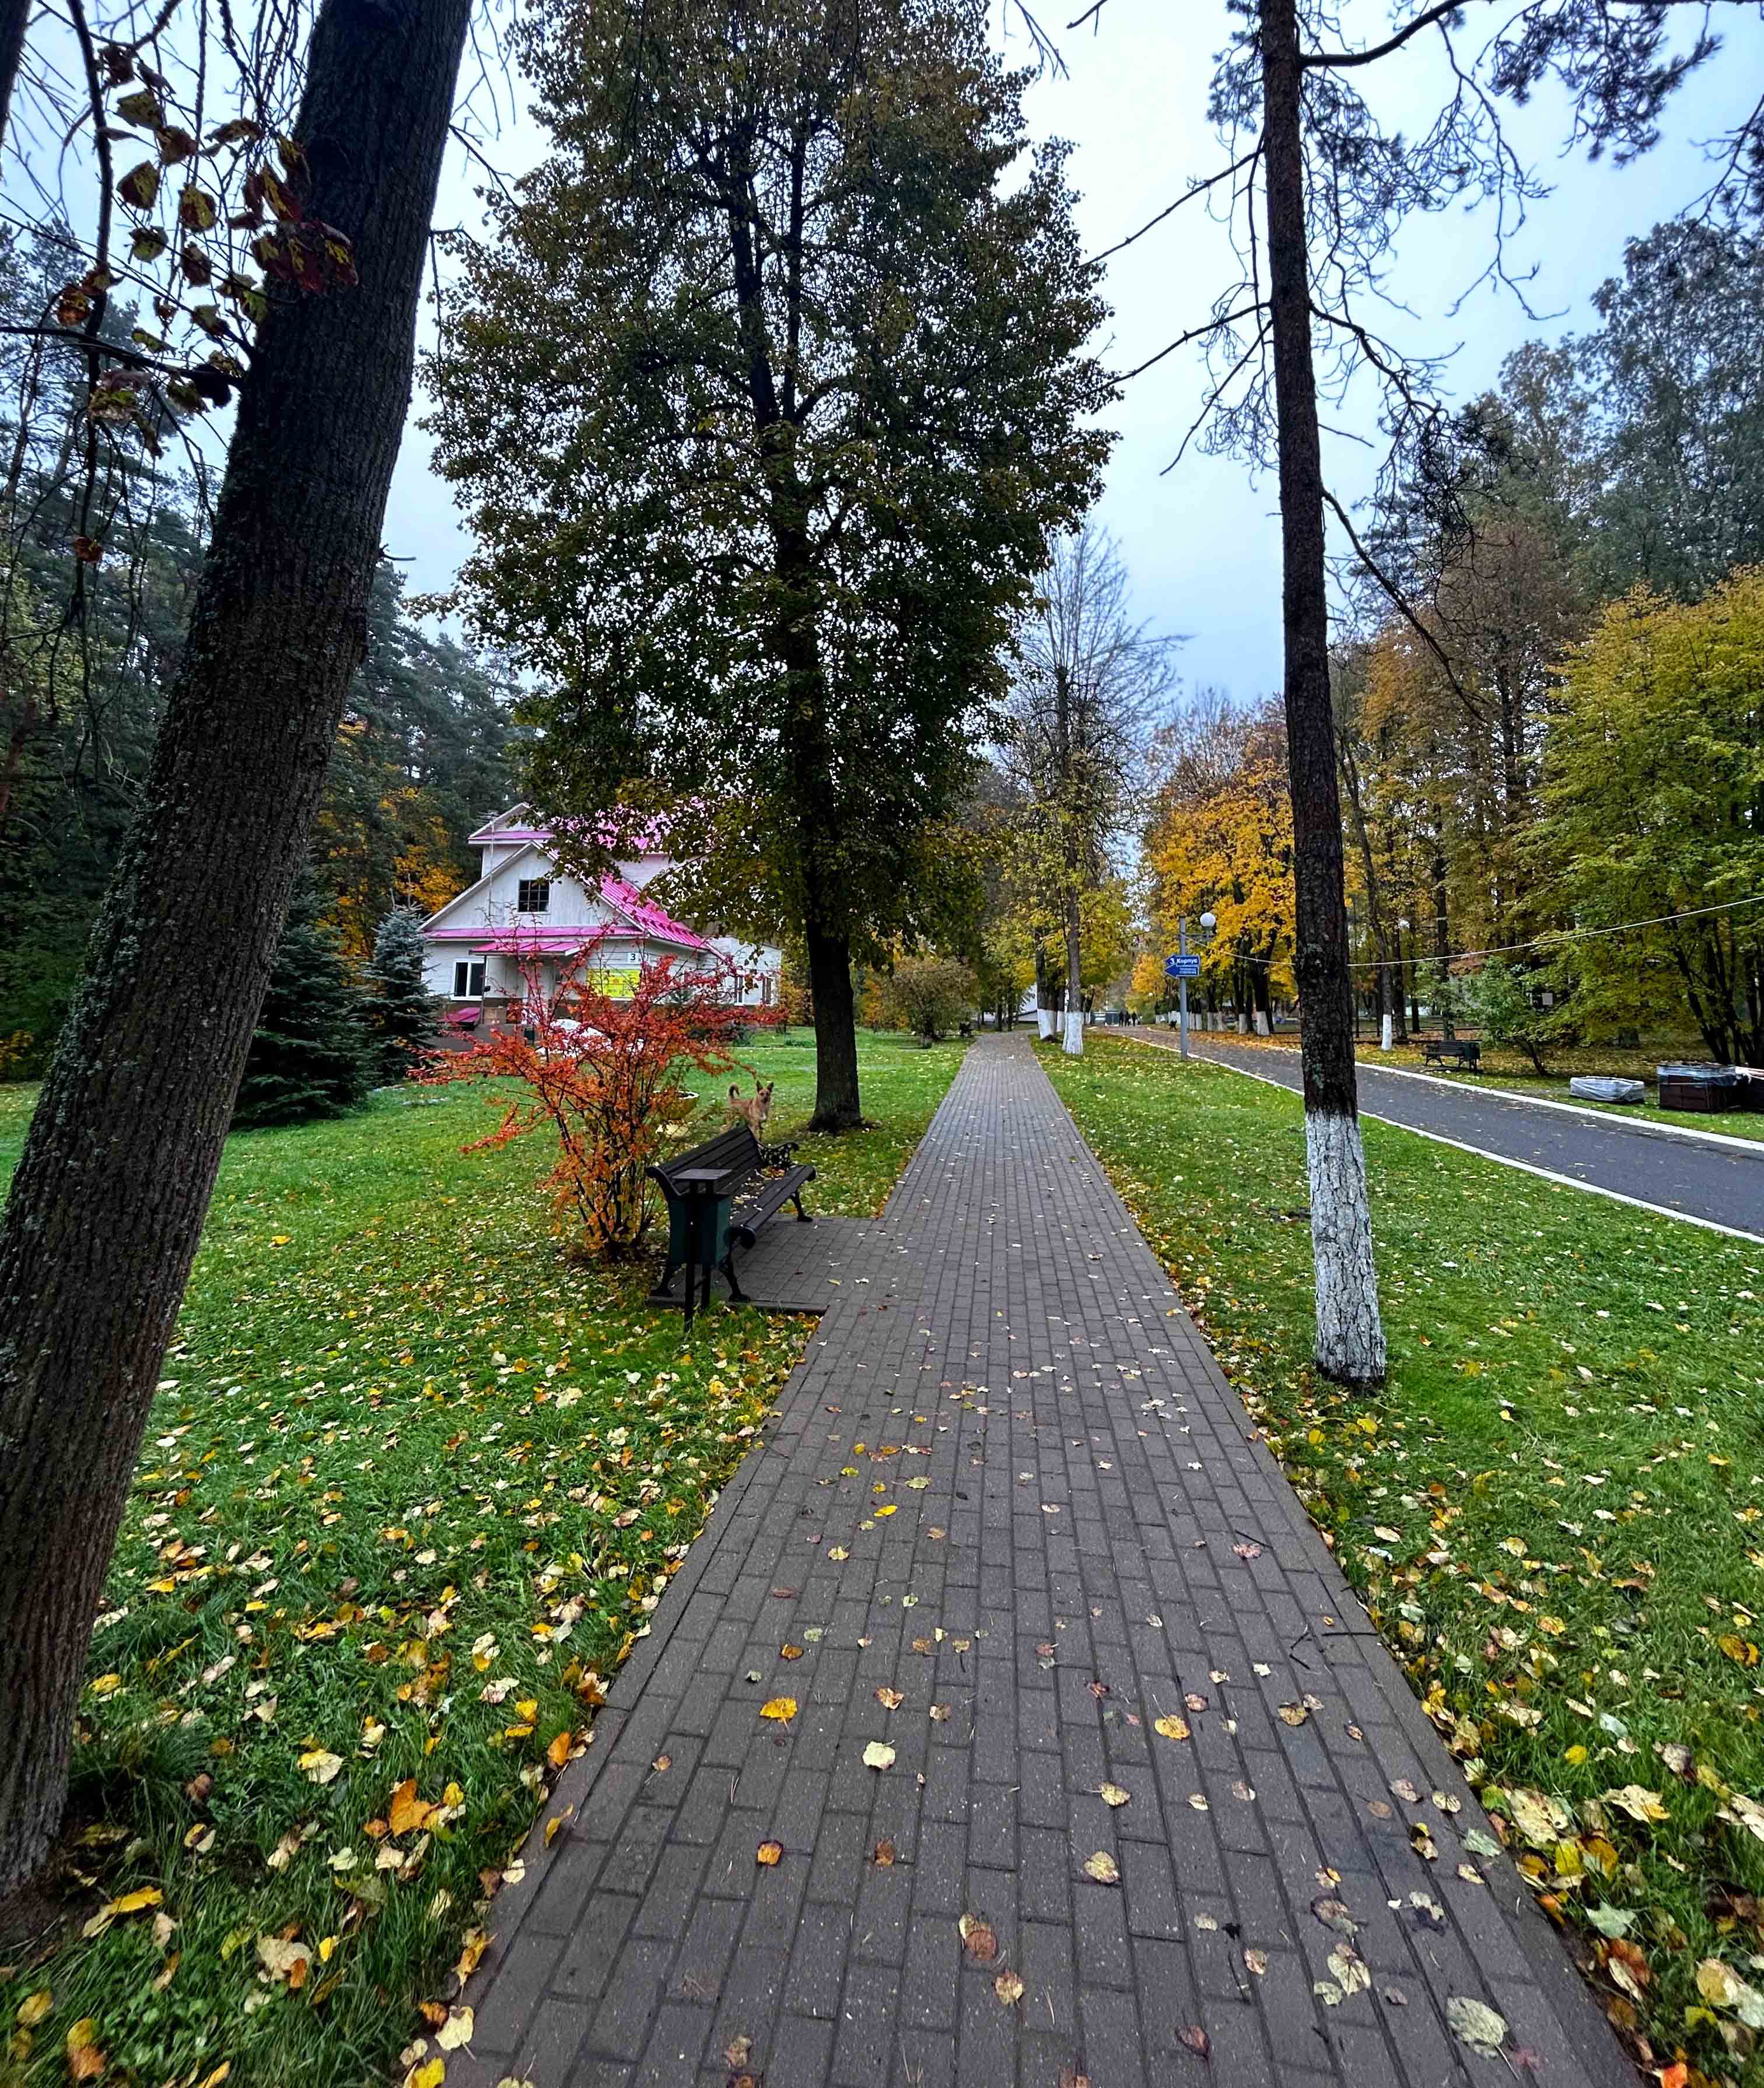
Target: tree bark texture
{"x": 14, "y": 15}
{"x": 1349, "y": 1334}
{"x": 108, "y": 1201}
{"x": 1074, "y": 1042}
{"x": 836, "y": 1103}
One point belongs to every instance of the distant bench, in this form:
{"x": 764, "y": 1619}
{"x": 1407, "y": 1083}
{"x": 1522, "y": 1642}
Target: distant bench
{"x": 1451, "y": 1051}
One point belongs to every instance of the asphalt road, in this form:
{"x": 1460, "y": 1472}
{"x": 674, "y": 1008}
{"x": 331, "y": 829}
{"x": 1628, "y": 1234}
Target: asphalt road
{"x": 1689, "y": 1177}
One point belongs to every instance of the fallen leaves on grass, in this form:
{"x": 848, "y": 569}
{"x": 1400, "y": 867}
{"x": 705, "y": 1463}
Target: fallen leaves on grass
{"x": 407, "y": 1812}
{"x": 1722, "y": 1987}
{"x": 1639, "y": 1802}
{"x": 85, "y": 2058}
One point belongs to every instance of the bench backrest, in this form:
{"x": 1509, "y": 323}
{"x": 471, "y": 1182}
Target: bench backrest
{"x": 736, "y": 1147}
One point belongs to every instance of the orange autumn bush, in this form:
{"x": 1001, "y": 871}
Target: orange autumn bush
{"x": 606, "y": 1076}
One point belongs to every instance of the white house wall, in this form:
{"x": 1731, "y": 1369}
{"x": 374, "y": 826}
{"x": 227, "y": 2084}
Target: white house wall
{"x": 490, "y": 905}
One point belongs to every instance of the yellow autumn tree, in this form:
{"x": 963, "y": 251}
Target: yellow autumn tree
{"x": 1220, "y": 841}
{"x": 1147, "y": 989}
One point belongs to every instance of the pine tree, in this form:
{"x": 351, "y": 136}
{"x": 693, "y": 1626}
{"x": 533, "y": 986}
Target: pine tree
{"x": 403, "y": 1011}
{"x": 310, "y": 1054}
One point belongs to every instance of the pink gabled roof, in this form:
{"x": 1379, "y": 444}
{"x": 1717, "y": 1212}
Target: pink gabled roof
{"x": 528, "y": 942}
{"x": 653, "y": 919}
{"x": 516, "y": 825}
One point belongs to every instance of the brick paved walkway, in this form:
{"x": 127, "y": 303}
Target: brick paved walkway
{"x": 1058, "y": 1530}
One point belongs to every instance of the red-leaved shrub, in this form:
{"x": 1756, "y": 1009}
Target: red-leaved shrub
{"x": 606, "y": 1075}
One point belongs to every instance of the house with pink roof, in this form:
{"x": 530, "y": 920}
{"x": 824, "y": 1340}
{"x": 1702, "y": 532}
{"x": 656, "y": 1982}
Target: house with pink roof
{"x": 525, "y": 910}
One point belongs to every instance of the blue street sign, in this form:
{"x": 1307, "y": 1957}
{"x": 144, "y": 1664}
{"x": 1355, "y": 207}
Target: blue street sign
{"x": 1178, "y": 967}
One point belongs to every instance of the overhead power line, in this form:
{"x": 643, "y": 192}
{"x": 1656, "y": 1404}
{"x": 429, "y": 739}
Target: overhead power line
{"x": 1556, "y": 935}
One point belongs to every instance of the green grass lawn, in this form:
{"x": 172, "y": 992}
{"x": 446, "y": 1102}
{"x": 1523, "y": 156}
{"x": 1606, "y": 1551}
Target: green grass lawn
{"x": 1554, "y": 1509}
{"x": 412, "y": 1481}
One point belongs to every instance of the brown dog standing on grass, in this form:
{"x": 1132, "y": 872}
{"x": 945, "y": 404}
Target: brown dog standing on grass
{"x": 754, "y": 1108}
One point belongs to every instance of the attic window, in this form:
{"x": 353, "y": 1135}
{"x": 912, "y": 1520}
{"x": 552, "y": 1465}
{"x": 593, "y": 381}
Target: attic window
{"x": 533, "y": 895}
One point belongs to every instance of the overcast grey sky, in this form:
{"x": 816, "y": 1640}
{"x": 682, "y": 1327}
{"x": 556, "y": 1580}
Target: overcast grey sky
{"x": 1200, "y": 543}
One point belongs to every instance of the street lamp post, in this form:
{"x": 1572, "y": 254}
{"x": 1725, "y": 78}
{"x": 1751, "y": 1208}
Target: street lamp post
{"x": 1403, "y": 930}
{"x": 1182, "y": 983}
{"x": 1208, "y": 923}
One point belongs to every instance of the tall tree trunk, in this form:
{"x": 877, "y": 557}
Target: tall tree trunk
{"x": 836, "y": 1106}
{"x": 110, "y": 1198}
{"x": 1442, "y": 937}
{"x": 1350, "y": 1336}
{"x": 1350, "y": 769}
{"x": 1073, "y": 1044}
{"x": 824, "y": 928}
{"x": 1044, "y": 999}
{"x": 14, "y": 15}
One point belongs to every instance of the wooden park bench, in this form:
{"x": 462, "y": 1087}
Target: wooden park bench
{"x": 1451, "y": 1050}
{"x": 718, "y": 1196}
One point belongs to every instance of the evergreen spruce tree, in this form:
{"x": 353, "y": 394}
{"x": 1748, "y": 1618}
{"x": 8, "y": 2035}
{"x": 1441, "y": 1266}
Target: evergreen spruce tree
{"x": 310, "y": 1054}
{"x": 404, "y": 1012}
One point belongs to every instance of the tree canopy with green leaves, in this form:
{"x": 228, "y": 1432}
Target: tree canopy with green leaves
{"x": 1654, "y": 794}
{"x": 768, "y": 397}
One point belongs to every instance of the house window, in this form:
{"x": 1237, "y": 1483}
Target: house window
{"x": 468, "y": 978}
{"x": 533, "y": 895}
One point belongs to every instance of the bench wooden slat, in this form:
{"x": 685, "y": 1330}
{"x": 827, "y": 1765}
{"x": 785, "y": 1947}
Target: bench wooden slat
{"x": 773, "y": 1193}
{"x": 735, "y": 1147}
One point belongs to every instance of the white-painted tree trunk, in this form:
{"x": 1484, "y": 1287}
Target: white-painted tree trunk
{"x": 1074, "y": 1043}
{"x": 1383, "y": 1035}
{"x": 1044, "y": 1023}
{"x": 1242, "y": 1025}
{"x": 1262, "y": 1024}
{"x": 1349, "y": 1334}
